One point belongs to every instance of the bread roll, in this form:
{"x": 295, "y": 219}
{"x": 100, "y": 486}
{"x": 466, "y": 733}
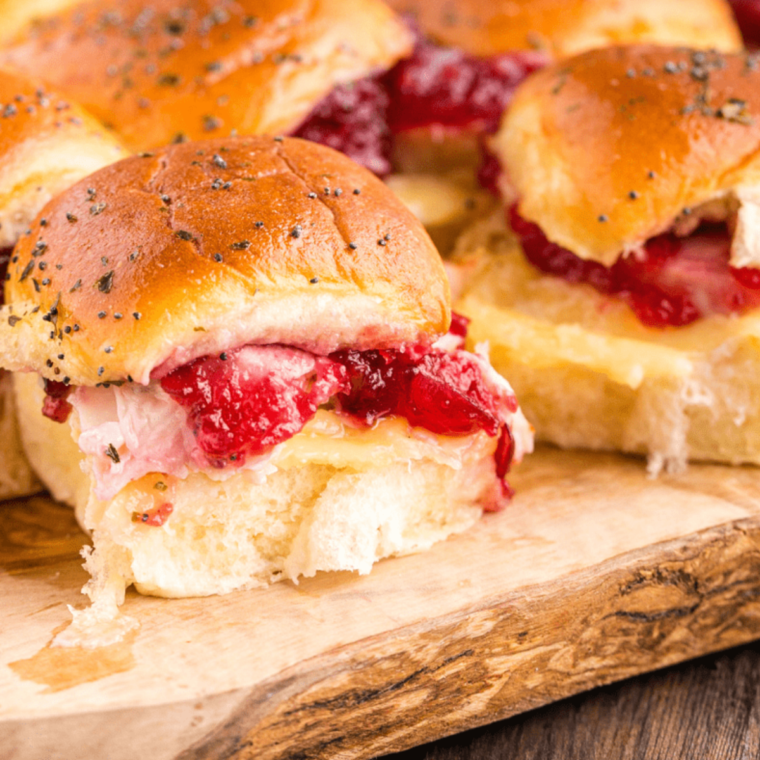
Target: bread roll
{"x": 46, "y": 144}
{"x": 303, "y": 247}
{"x": 16, "y": 476}
{"x": 219, "y": 279}
{"x": 205, "y": 68}
{"x": 519, "y": 36}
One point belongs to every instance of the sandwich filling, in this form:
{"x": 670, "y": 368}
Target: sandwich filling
{"x": 437, "y": 87}
{"x": 230, "y": 412}
{"x": 672, "y": 281}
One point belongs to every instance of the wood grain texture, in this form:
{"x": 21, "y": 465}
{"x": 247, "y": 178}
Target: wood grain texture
{"x": 594, "y": 574}
{"x": 707, "y": 709}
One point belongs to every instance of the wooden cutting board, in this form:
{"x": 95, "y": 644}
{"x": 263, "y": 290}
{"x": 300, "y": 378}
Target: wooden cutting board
{"x": 595, "y": 573}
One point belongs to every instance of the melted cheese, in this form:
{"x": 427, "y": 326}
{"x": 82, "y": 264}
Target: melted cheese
{"x": 545, "y": 322}
{"x": 330, "y": 440}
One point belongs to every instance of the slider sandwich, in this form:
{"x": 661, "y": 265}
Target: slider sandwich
{"x": 344, "y": 73}
{"x": 252, "y": 345}
{"x": 624, "y": 302}
{"x": 46, "y": 144}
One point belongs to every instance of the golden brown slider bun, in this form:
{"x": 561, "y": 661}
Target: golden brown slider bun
{"x": 555, "y": 28}
{"x": 167, "y": 256}
{"x": 566, "y": 27}
{"x": 46, "y": 144}
{"x": 615, "y": 146}
{"x": 18, "y": 14}
{"x": 204, "y": 68}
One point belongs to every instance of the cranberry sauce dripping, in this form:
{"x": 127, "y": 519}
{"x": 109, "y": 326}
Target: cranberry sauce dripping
{"x": 673, "y": 282}
{"x": 55, "y": 406}
{"x": 5, "y": 258}
{"x": 353, "y": 119}
{"x": 446, "y": 86}
{"x": 435, "y": 86}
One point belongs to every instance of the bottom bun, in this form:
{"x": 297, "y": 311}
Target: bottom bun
{"x": 238, "y": 533}
{"x": 49, "y": 446}
{"x": 16, "y": 476}
{"x": 589, "y": 375}
{"x": 227, "y": 535}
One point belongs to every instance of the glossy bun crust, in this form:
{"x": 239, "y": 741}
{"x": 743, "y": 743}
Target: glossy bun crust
{"x": 614, "y": 146}
{"x": 201, "y": 68}
{"x": 46, "y": 144}
{"x": 205, "y": 246}
{"x": 567, "y": 27}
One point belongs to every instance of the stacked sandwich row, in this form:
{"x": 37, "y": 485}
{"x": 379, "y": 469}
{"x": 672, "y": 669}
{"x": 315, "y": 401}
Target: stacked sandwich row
{"x": 234, "y": 351}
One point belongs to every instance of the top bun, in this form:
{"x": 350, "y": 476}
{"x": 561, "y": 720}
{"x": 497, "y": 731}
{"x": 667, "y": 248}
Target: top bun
{"x": 46, "y": 144}
{"x": 203, "y": 68}
{"x": 205, "y": 246}
{"x": 615, "y": 146}
{"x": 566, "y": 27}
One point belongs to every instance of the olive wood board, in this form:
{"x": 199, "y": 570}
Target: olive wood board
{"x": 594, "y": 573}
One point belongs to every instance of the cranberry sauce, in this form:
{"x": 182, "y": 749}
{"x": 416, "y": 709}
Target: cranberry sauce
{"x": 239, "y": 405}
{"x": 441, "y": 391}
{"x": 489, "y": 170}
{"x": 243, "y": 402}
{"x": 435, "y": 86}
{"x": 448, "y": 87}
{"x": 672, "y": 282}
{"x": 353, "y": 119}
{"x": 55, "y": 406}
{"x": 436, "y": 390}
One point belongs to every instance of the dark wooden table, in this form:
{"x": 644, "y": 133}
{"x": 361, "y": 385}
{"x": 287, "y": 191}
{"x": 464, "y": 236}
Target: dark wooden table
{"x": 707, "y": 709}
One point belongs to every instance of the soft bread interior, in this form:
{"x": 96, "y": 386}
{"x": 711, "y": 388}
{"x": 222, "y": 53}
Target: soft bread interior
{"x": 240, "y": 533}
{"x": 16, "y": 477}
{"x": 590, "y": 375}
